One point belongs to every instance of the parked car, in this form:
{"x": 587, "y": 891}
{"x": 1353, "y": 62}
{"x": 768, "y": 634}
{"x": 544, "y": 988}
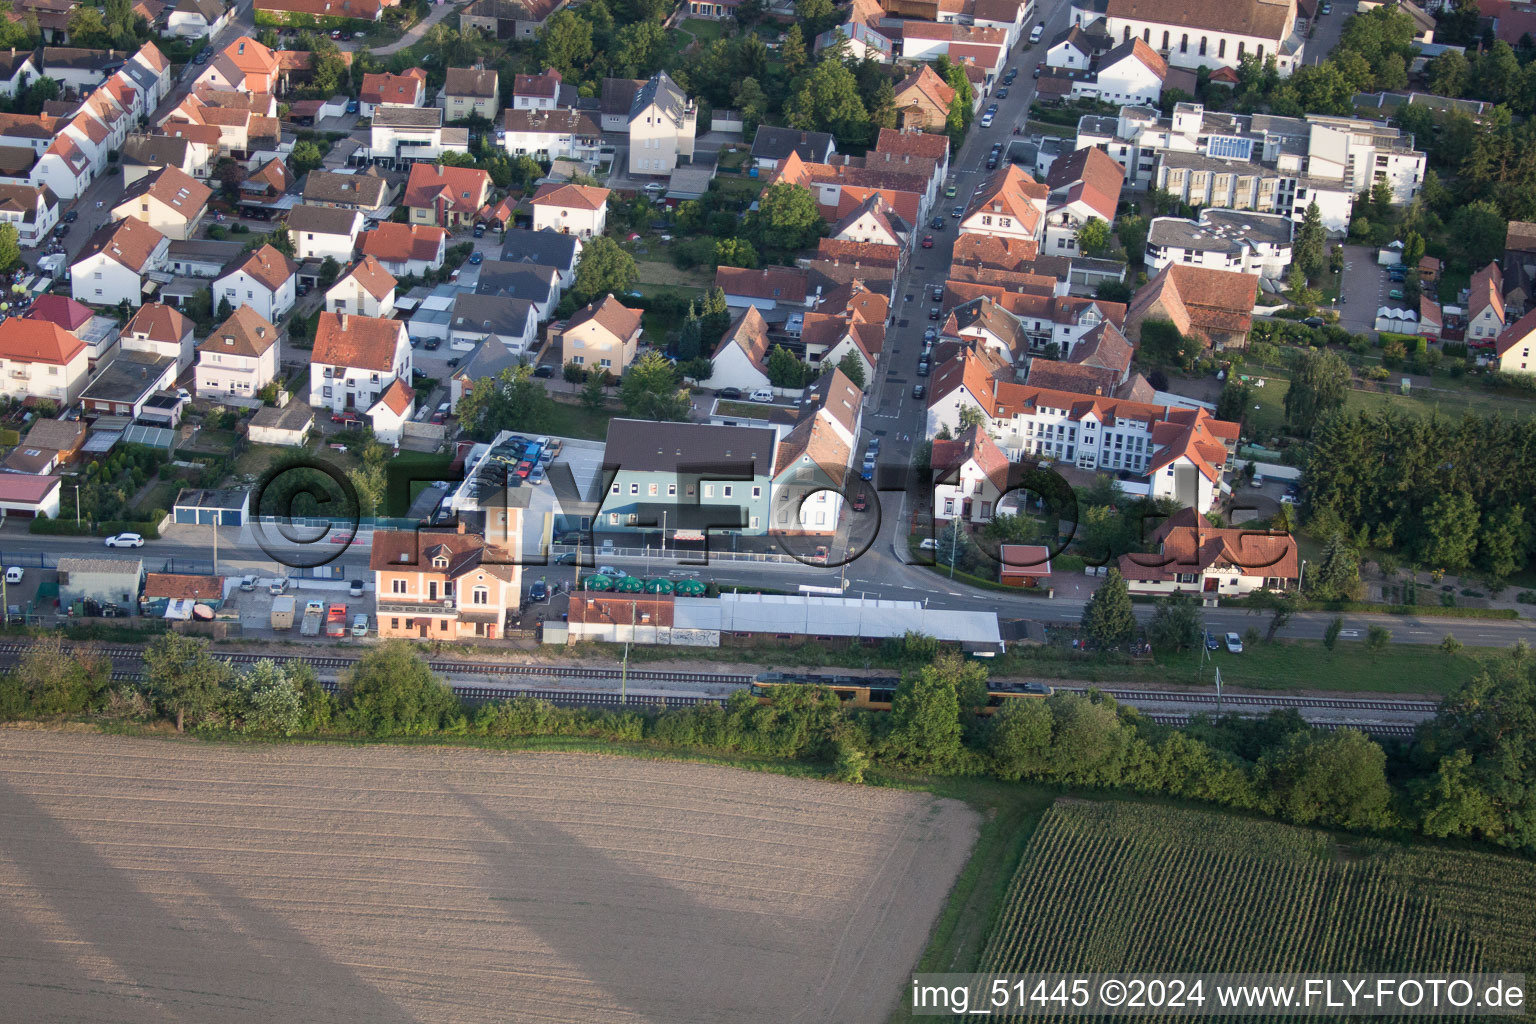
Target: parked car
{"x": 360, "y": 624}
{"x": 479, "y": 231}
{"x": 544, "y": 370}
{"x": 1313, "y": 321}
{"x": 1395, "y": 293}
{"x": 930, "y": 335}
{"x": 762, "y": 395}
{"x": 919, "y": 391}
{"x": 524, "y": 468}
{"x": 927, "y": 241}
{"x": 1035, "y": 33}
{"x": 431, "y": 344}
{"x": 475, "y": 259}
{"x": 537, "y": 476}
{"x": 1002, "y": 93}
{"x": 729, "y": 394}
{"x": 125, "y": 540}
{"x": 950, "y": 191}
{"x": 860, "y": 501}
{"x": 14, "y": 574}
{"x": 355, "y": 588}
{"x": 569, "y": 558}
{"x": 71, "y": 216}
{"x": 957, "y": 212}
{"x": 351, "y": 106}
{"x": 1211, "y": 643}
{"x": 986, "y": 119}
{"x": 922, "y": 367}
{"x": 608, "y": 570}
{"x": 1234, "y": 643}
{"x": 539, "y": 591}
{"x": 938, "y": 293}
{"x": 248, "y": 584}
{"x": 935, "y": 312}
{"x": 937, "y": 224}
{"x": 278, "y": 586}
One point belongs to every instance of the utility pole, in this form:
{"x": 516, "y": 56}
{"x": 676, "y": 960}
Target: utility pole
{"x": 215, "y": 542}
{"x": 1218, "y": 689}
{"x": 954, "y": 543}
{"x": 77, "y": 504}
{"x": 624, "y": 671}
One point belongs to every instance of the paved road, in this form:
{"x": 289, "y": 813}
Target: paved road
{"x": 1329, "y": 28}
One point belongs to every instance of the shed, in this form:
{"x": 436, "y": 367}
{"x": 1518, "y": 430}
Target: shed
{"x": 161, "y": 588}
{"x": 203, "y": 507}
{"x": 286, "y": 426}
{"x": 107, "y": 580}
{"x": 1024, "y": 565}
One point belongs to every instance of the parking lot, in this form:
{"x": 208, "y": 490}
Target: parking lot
{"x": 1364, "y": 290}
{"x": 254, "y": 608}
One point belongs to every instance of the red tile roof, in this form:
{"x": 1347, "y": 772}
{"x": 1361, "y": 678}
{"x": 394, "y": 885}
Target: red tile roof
{"x": 38, "y": 341}
{"x": 62, "y": 310}
{"x": 361, "y": 342}
{"x": 461, "y": 189}
{"x": 398, "y": 243}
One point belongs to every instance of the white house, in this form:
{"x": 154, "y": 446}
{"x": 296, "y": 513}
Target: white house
{"x": 1084, "y": 186}
{"x": 536, "y": 92}
{"x": 970, "y": 477}
{"x": 579, "y": 210}
{"x": 407, "y": 90}
{"x": 1130, "y": 73}
{"x": 662, "y": 121}
{"x": 550, "y": 134}
{"x": 1216, "y": 35}
{"x": 17, "y": 70}
{"x": 405, "y": 250}
{"x": 354, "y": 361}
{"x": 389, "y": 414}
{"x": 115, "y": 262}
{"x": 511, "y": 321}
{"x": 1011, "y": 204}
{"x": 169, "y": 200}
{"x": 1485, "y": 306}
{"x": 266, "y": 281}
{"x": 405, "y": 135}
{"x": 1240, "y": 240}
{"x": 197, "y": 19}
{"x": 33, "y": 211}
{"x": 550, "y": 249}
{"x": 40, "y": 359}
{"x": 162, "y": 331}
{"x": 1515, "y": 351}
{"x": 239, "y": 358}
{"x": 1194, "y": 557}
{"x": 324, "y": 231}
{"x": 366, "y": 288}
{"x": 740, "y": 361}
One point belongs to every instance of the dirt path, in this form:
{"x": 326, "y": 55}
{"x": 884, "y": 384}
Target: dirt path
{"x": 163, "y": 880}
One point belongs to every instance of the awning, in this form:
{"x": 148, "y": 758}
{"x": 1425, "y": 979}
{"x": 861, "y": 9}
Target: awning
{"x": 696, "y": 535}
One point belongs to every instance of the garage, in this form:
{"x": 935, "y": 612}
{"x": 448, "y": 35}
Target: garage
{"x": 205, "y": 507}
{"x": 28, "y": 497}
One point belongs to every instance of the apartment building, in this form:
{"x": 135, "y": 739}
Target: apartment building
{"x": 1237, "y": 240}
{"x": 432, "y": 585}
{"x": 355, "y": 360}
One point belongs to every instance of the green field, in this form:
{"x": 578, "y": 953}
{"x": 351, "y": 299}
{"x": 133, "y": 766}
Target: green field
{"x": 1123, "y": 886}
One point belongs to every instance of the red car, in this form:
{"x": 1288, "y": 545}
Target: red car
{"x": 524, "y": 468}
{"x": 927, "y": 241}
{"x": 860, "y": 502}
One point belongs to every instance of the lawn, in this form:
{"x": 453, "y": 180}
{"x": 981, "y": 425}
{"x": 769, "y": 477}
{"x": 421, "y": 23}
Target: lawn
{"x": 1349, "y": 667}
{"x": 654, "y": 270}
{"x": 579, "y": 421}
{"x": 161, "y": 495}
{"x": 705, "y": 31}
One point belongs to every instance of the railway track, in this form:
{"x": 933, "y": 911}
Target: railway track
{"x": 641, "y": 677}
{"x": 1385, "y": 730}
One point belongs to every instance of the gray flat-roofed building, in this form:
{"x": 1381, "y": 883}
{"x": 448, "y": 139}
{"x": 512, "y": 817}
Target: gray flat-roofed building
{"x": 740, "y": 617}
{"x": 1238, "y": 240}
{"x": 108, "y": 580}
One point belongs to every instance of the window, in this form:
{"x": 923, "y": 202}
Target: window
{"x": 1184, "y": 43}
{"x": 709, "y": 490}
{"x": 394, "y": 623}
{"x": 725, "y": 491}
{"x": 634, "y": 488}
{"x": 614, "y": 489}
{"x": 1165, "y": 40}
{"x": 480, "y": 595}
{"x": 752, "y": 523}
{"x": 651, "y": 491}
{"x": 613, "y": 519}
{"x": 1221, "y": 48}
{"x": 397, "y": 586}
{"x": 757, "y": 492}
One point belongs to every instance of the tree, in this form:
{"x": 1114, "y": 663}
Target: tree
{"x": 1107, "y": 618}
{"x": 650, "y": 390}
{"x": 689, "y": 337}
{"x": 829, "y": 101}
{"x": 511, "y": 400}
{"x": 639, "y": 47}
{"x": 59, "y": 681}
{"x": 602, "y": 269}
{"x": 925, "y": 717}
{"x": 1235, "y": 396}
{"x": 1448, "y": 74}
{"x": 1332, "y": 630}
{"x": 10, "y": 246}
{"x": 1337, "y": 576}
{"x": 593, "y": 393}
{"x": 573, "y": 372}
{"x": 182, "y": 677}
{"x": 1319, "y": 386}
{"x": 566, "y": 44}
{"x": 392, "y": 692}
{"x": 1413, "y": 249}
{"x": 1377, "y": 638}
{"x": 1019, "y": 744}
{"x": 1161, "y": 341}
{"x": 1093, "y": 238}
{"x": 306, "y": 156}
{"x": 818, "y": 15}
{"x": 370, "y": 482}
{"x": 784, "y": 370}
{"x": 1310, "y": 254}
{"x": 1450, "y": 645}
{"x": 853, "y": 368}
{"x": 787, "y": 218}
{"x": 1450, "y": 531}
{"x": 1503, "y": 546}
{"x": 735, "y": 252}
{"x": 1477, "y": 232}
{"x": 792, "y": 50}
{"x": 1133, "y": 238}
{"x": 1177, "y": 624}
{"x": 1330, "y": 778}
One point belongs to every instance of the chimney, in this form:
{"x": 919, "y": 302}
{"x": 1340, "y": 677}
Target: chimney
{"x": 461, "y": 527}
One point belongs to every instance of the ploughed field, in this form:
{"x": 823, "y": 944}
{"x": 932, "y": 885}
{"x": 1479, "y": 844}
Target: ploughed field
{"x": 1123, "y": 887}
{"x": 148, "y": 880}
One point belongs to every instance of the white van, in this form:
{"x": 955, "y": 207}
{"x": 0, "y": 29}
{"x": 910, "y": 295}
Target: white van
{"x": 1035, "y": 34}
{"x": 761, "y": 395}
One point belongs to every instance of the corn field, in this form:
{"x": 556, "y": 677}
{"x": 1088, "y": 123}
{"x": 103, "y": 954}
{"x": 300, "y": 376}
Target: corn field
{"x": 1118, "y": 887}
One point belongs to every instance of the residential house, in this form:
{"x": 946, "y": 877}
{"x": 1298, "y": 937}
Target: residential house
{"x": 243, "y": 66}
{"x": 768, "y": 288}
{"x": 448, "y": 197}
{"x": 740, "y": 361}
{"x": 538, "y": 284}
{"x": 1237, "y": 240}
{"x": 1485, "y": 306}
{"x": 239, "y": 358}
{"x": 813, "y": 463}
{"x": 145, "y": 153}
{"x": 160, "y": 330}
{"x": 354, "y": 361}
{"x": 163, "y": 589}
{"x": 509, "y": 19}
{"x": 550, "y": 134}
{"x": 1211, "y": 35}
{"x": 580, "y": 210}
{"x": 77, "y": 70}
{"x": 1431, "y": 320}
{"x": 970, "y": 477}
{"x": 771, "y": 145}
{"x": 983, "y": 49}
{"x": 1010, "y": 204}
{"x": 405, "y": 250}
{"x": 286, "y": 427}
{"x": 366, "y": 289}
{"x": 472, "y": 92}
{"x": 662, "y": 120}
{"x": 125, "y": 385}
{"x": 1130, "y": 73}
{"x": 687, "y": 480}
{"x": 873, "y": 222}
{"x": 1215, "y": 306}
{"x": 909, "y": 143}
{"x": 266, "y": 280}
{"x": 1083, "y": 187}
{"x": 536, "y": 92}
{"x": 391, "y": 412}
{"x": 1024, "y": 565}
{"x": 442, "y": 586}
{"x": 17, "y": 70}
{"x": 197, "y": 19}
{"x": 600, "y": 335}
{"x": 1194, "y": 557}
{"x": 861, "y": 34}
{"x": 1515, "y": 349}
{"x": 366, "y": 191}
{"x": 41, "y": 360}
{"x": 168, "y": 200}
{"x": 115, "y": 263}
{"x": 99, "y": 333}
{"x": 200, "y": 257}
{"x": 1160, "y": 451}
{"x": 511, "y": 321}
{"x": 404, "y": 135}
{"x": 407, "y": 90}
{"x": 65, "y": 438}
{"x": 321, "y": 232}
{"x": 546, "y": 249}
{"x": 33, "y": 211}
{"x": 264, "y": 188}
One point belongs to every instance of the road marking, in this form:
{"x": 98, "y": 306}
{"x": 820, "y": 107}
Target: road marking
{"x": 1349, "y": 632}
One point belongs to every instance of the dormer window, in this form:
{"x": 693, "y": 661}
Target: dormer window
{"x": 440, "y": 562}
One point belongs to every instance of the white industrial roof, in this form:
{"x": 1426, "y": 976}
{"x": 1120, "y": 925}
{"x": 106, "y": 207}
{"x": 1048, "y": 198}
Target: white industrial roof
{"x": 809, "y": 615}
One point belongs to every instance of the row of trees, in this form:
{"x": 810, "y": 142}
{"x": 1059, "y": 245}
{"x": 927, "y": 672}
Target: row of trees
{"x": 1453, "y": 495}
{"x": 1468, "y": 774}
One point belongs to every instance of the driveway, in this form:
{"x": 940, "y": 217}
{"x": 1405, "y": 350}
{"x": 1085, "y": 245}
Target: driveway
{"x": 1329, "y": 28}
{"x": 1365, "y": 287}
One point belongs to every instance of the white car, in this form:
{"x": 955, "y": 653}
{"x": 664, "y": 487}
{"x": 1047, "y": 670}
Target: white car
{"x": 761, "y": 395}
{"x": 655, "y": 186}
{"x": 1234, "y": 643}
{"x": 125, "y": 540}
{"x": 1035, "y": 34}
{"x": 14, "y": 574}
